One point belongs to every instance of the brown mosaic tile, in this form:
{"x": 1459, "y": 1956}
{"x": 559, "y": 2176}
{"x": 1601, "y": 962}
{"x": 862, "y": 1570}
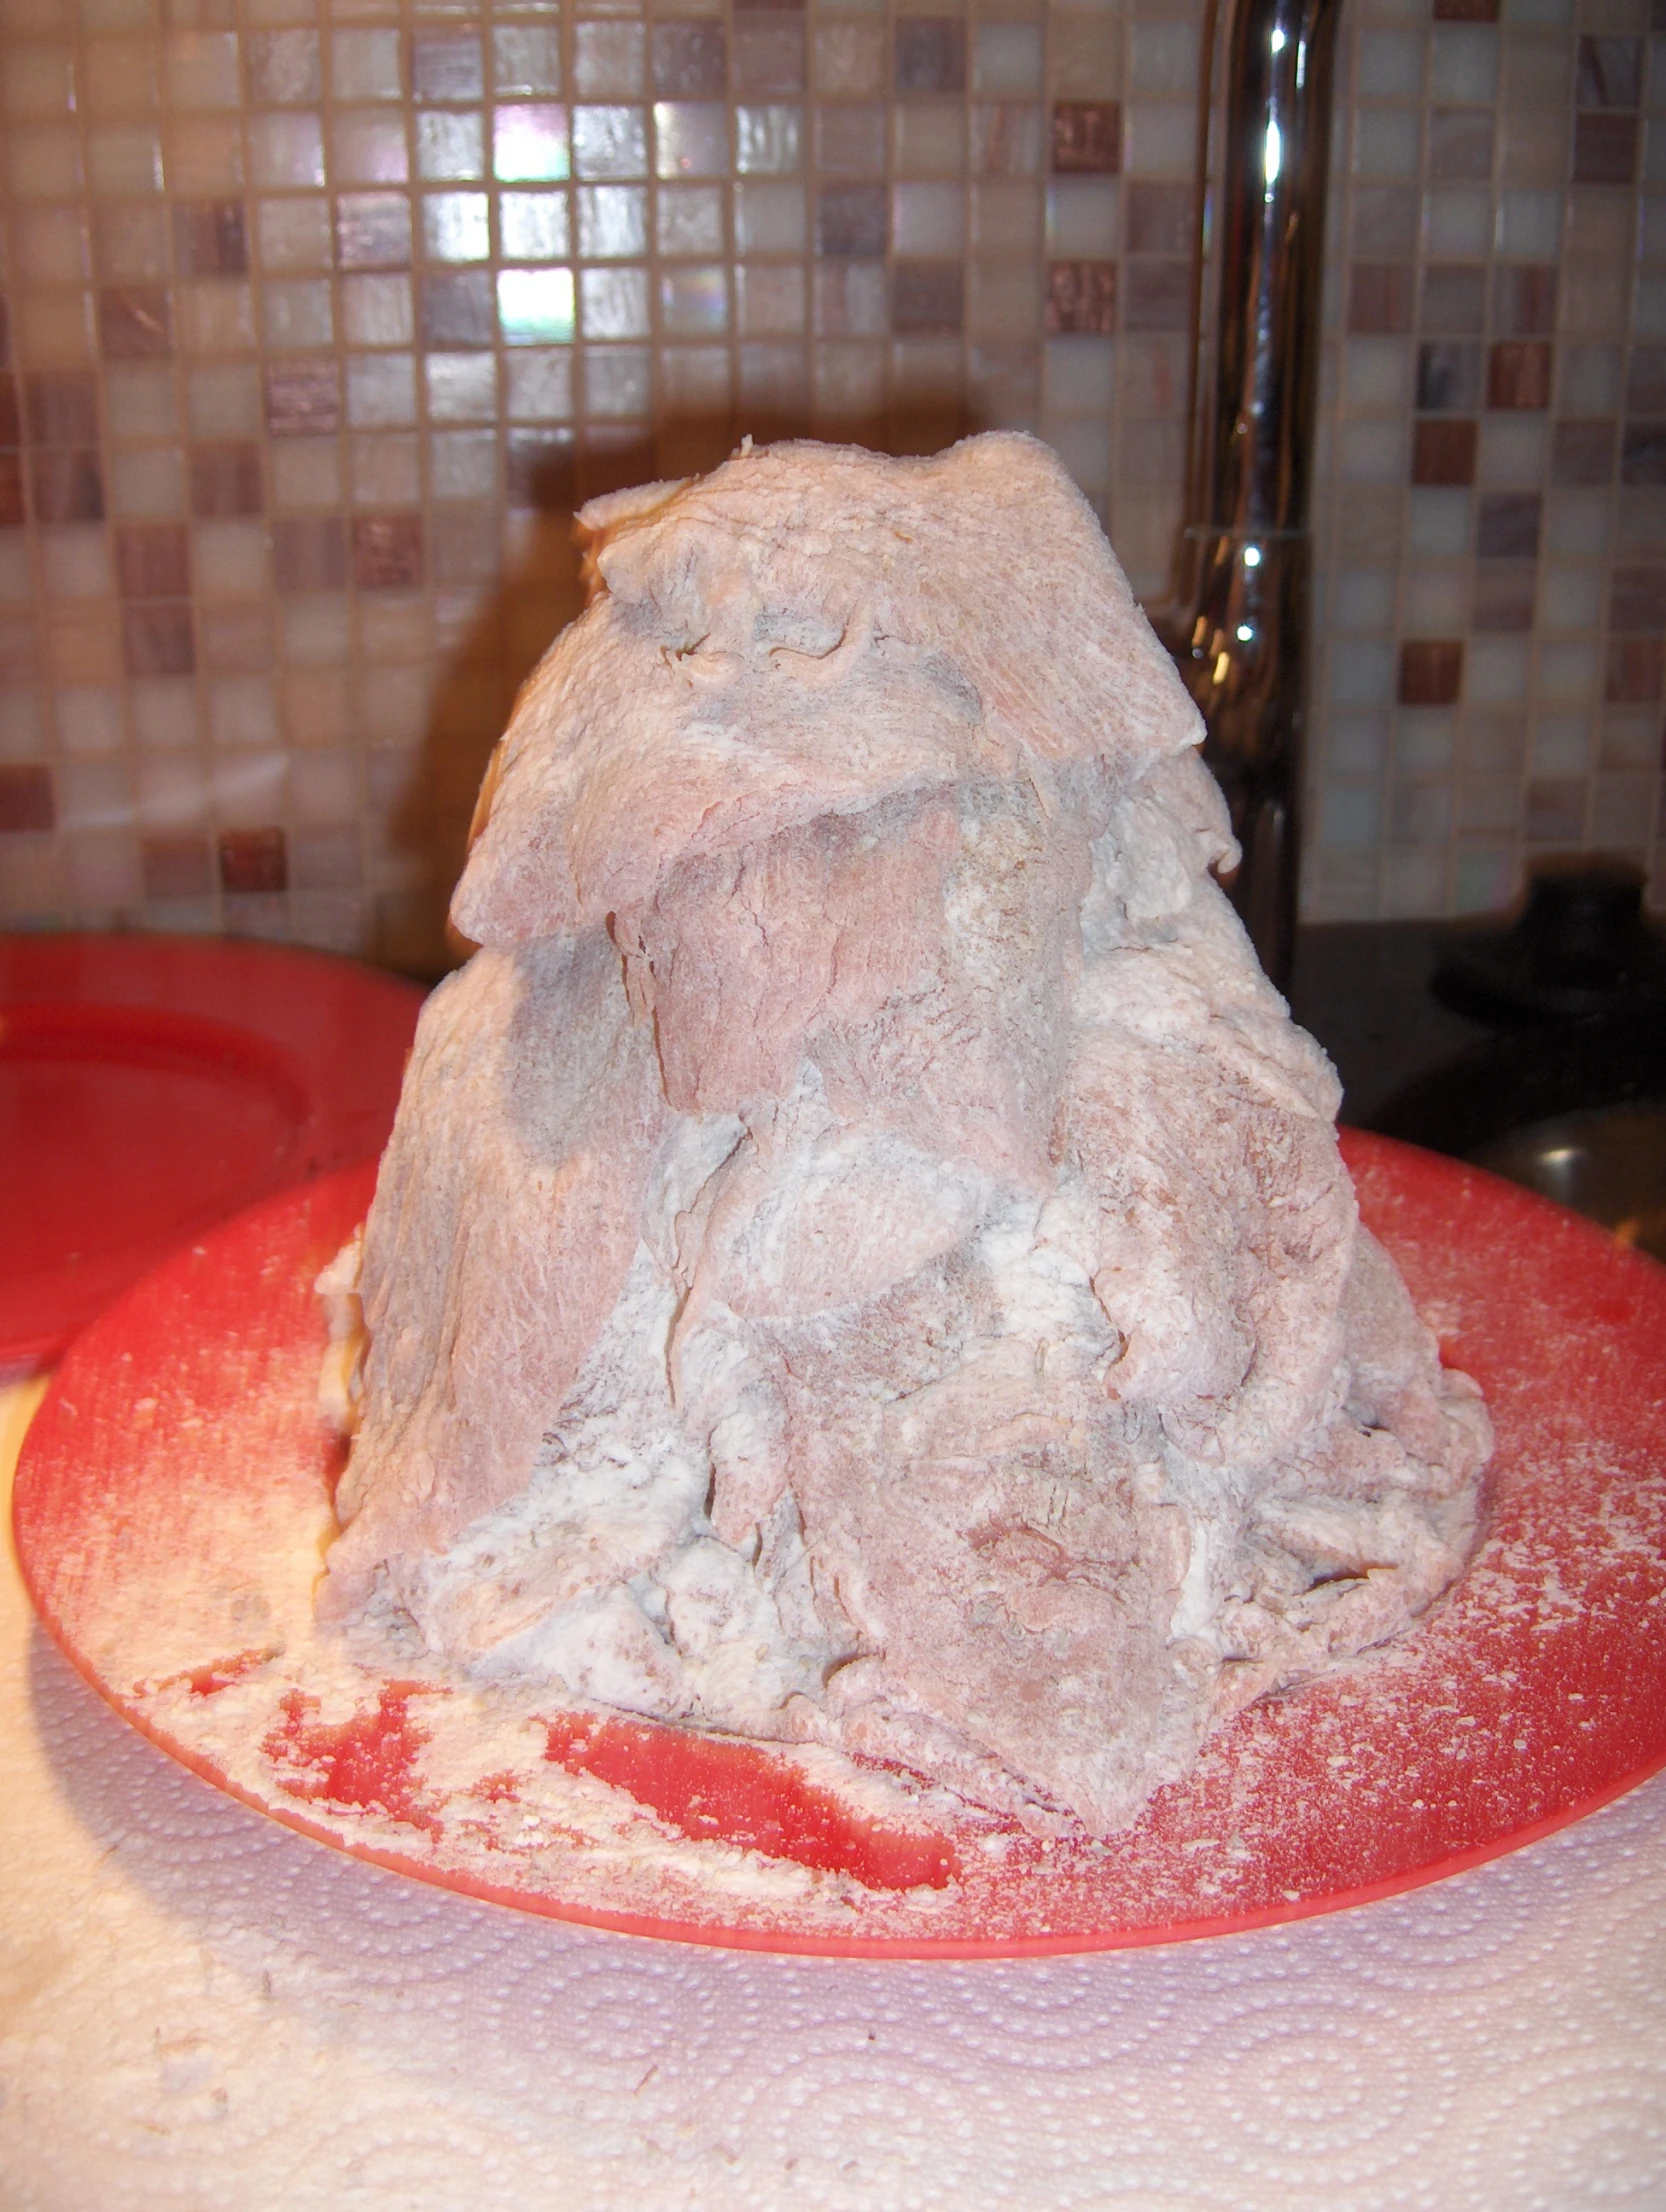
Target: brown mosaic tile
{"x": 13, "y": 512}
{"x": 156, "y": 638}
{"x": 1604, "y": 148}
{"x": 1524, "y": 300}
{"x": 210, "y": 238}
{"x": 448, "y": 66}
{"x": 253, "y": 861}
{"x": 66, "y": 487}
{"x": 1385, "y": 220}
{"x": 1507, "y": 526}
{"x": 1157, "y": 218}
{"x": 851, "y": 219}
{"x": 373, "y": 230}
{"x": 309, "y": 553}
{"x": 1081, "y": 298}
{"x": 226, "y": 479}
{"x": 1503, "y": 596}
{"x": 1454, "y": 298}
{"x": 1518, "y": 375}
{"x": 928, "y": 297}
{"x": 769, "y": 55}
{"x": 1156, "y": 295}
{"x": 5, "y": 334}
{"x": 1643, "y": 453}
{"x": 61, "y": 406}
{"x": 1444, "y": 452}
{"x": 236, "y": 638}
{"x": 1635, "y": 669}
{"x": 1380, "y": 296}
{"x": 850, "y": 139}
{"x": 303, "y": 399}
{"x": 467, "y": 546}
{"x": 26, "y": 799}
{"x": 18, "y": 654}
{"x": 459, "y": 312}
{"x": 135, "y": 322}
{"x": 1640, "y": 532}
{"x": 153, "y": 560}
{"x": 1086, "y": 138}
{"x": 1610, "y": 73}
{"x": 1448, "y": 378}
{"x": 1431, "y": 672}
{"x": 1637, "y": 600}
{"x": 11, "y": 416}
{"x": 1555, "y": 810}
{"x": 1646, "y": 381}
{"x": 175, "y": 867}
{"x": 1582, "y": 452}
{"x": 691, "y": 61}
{"x": 387, "y": 551}
{"x": 541, "y": 469}
{"x": 1460, "y": 143}
{"x": 930, "y": 54}
{"x": 1466, "y": 11}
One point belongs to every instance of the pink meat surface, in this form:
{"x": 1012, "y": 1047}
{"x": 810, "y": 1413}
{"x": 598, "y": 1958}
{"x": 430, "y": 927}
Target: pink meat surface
{"x": 864, "y": 1256}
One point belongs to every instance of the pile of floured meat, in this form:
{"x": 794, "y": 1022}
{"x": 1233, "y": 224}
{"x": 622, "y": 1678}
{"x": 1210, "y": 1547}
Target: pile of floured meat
{"x": 863, "y": 1257}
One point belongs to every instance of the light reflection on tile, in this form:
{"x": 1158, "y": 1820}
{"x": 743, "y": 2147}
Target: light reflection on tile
{"x": 613, "y": 303}
{"x": 691, "y": 138}
{"x": 450, "y": 147}
{"x": 768, "y": 139}
{"x": 612, "y": 221}
{"x": 526, "y": 58}
{"x": 367, "y": 146}
{"x": 455, "y": 226}
{"x": 529, "y": 144}
{"x": 284, "y": 150}
{"x": 535, "y": 306}
{"x": 540, "y": 385}
{"x": 694, "y": 303}
{"x": 462, "y": 387}
{"x": 532, "y": 226}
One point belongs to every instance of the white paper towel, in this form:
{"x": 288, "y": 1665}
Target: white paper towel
{"x": 201, "y": 2010}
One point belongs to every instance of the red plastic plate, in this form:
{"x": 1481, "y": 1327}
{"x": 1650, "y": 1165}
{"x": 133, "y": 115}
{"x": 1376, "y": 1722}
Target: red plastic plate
{"x": 173, "y": 1503}
{"x": 152, "y": 1085}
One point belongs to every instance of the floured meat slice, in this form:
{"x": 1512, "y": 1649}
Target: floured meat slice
{"x": 864, "y": 1256}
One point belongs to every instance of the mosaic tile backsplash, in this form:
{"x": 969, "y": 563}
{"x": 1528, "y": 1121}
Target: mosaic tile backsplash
{"x": 318, "y": 319}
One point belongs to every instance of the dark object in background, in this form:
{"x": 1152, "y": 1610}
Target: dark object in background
{"x": 1568, "y": 1095}
{"x": 1581, "y": 948}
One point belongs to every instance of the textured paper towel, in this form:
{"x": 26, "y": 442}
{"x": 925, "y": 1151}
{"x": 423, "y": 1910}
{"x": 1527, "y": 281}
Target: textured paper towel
{"x": 200, "y": 2010}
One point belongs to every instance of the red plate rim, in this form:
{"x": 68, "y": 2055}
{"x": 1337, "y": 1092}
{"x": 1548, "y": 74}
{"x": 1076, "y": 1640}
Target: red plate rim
{"x": 1542, "y": 1262}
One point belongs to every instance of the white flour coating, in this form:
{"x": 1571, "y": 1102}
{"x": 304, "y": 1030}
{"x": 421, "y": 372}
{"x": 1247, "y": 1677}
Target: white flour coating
{"x": 863, "y": 1258}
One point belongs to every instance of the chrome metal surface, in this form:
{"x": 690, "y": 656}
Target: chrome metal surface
{"x": 1609, "y": 1163}
{"x": 1238, "y": 627}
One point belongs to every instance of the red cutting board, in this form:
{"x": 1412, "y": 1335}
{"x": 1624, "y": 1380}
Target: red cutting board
{"x": 150, "y": 1086}
{"x": 173, "y": 1505}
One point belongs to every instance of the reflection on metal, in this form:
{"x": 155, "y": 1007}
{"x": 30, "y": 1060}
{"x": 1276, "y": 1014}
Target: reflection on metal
{"x": 1239, "y": 626}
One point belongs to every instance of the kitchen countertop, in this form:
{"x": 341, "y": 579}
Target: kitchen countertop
{"x": 199, "y": 2009}
{"x": 1362, "y": 988}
